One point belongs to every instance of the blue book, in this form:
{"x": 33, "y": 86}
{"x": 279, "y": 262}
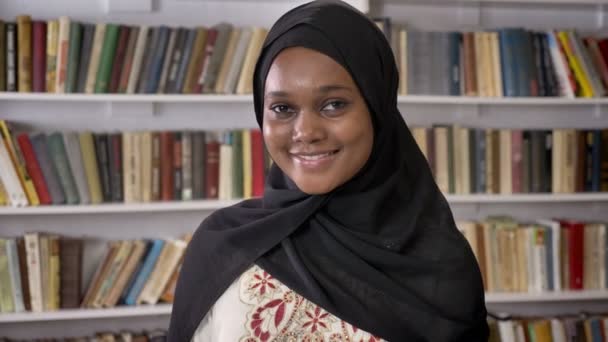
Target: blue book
{"x": 133, "y": 277}
{"x": 454, "y": 39}
{"x": 508, "y": 62}
{"x": 185, "y": 60}
{"x": 157, "y": 61}
{"x": 49, "y": 172}
{"x": 549, "y": 256}
{"x": 144, "y": 273}
{"x": 596, "y": 330}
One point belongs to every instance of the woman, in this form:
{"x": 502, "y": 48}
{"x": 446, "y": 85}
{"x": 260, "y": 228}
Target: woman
{"x": 352, "y": 239}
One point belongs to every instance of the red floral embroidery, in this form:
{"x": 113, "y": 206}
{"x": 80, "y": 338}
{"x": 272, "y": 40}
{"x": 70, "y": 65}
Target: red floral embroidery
{"x": 279, "y": 314}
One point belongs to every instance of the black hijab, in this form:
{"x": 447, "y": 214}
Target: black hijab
{"x": 381, "y": 252}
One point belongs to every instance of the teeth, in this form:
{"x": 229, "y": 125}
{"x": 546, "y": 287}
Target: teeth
{"x": 314, "y": 156}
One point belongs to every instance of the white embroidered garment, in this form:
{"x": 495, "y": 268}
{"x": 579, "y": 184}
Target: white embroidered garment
{"x": 259, "y": 308}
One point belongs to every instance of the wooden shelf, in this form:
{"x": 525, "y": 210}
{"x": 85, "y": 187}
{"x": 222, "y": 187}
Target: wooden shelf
{"x": 211, "y": 98}
{"x": 210, "y": 205}
{"x": 165, "y": 309}
{"x": 81, "y": 314}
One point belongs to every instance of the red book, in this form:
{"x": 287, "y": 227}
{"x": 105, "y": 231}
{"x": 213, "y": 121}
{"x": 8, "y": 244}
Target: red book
{"x": 516, "y": 158}
{"x": 209, "y": 46}
{"x": 212, "y": 168}
{"x": 166, "y": 166}
{"x": 33, "y": 168}
{"x": 119, "y": 57}
{"x": 39, "y": 56}
{"x": 575, "y": 232}
{"x": 257, "y": 163}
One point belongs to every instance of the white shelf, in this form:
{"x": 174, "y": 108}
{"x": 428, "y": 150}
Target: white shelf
{"x": 210, "y": 205}
{"x": 557, "y": 296}
{"x": 212, "y": 98}
{"x": 165, "y": 309}
{"x": 80, "y": 314}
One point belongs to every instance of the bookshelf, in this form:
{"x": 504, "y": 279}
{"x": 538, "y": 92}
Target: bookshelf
{"x": 209, "y": 112}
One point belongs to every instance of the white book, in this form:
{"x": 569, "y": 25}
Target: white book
{"x": 225, "y": 172}
{"x": 556, "y": 251}
{"x": 167, "y": 261}
{"x": 237, "y": 62}
{"x": 557, "y": 331}
{"x": 560, "y": 65}
{"x": 13, "y": 268}
{"x": 95, "y": 59}
{"x": 10, "y": 179}
{"x": 505, "y": 162}
{"x": 72, "y": 147}
{"x": 506, "y": 331}
{"x": 601, "y": 247}
{"x": 63, "y": 43}
{"x": 138, "y": 56}
{"x": 32, "y": 252}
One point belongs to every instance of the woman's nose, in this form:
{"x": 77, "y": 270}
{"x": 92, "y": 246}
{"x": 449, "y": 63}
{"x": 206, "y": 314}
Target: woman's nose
{"x": 308, "y": 127}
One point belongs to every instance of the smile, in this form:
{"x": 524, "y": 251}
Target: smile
{"x": 314, "y": 159}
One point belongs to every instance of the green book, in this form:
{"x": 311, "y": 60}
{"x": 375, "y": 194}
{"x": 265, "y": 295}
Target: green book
{"x": 107, "y": 57}
{"x": 60, "y": 160}
{"x": 73, "y": 57}
{"x": 6, "y": 290}
{"x": 237, "y": 164}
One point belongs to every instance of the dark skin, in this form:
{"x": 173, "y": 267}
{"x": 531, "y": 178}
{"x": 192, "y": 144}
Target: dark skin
{"x": 317, "y": 126}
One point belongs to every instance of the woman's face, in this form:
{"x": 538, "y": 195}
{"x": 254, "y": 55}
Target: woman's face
{"x": 317, "y": 127}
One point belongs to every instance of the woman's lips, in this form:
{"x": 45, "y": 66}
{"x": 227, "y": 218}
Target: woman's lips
{"x": 314, "y": 160}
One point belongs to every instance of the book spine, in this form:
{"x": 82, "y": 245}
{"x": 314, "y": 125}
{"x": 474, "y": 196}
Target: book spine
{"x": 62, "y": 166}
{"x": 11, "y": 57}
{"x": 39, "y": 56}
{"x": 52, "y": 36}
{"x": 73, "y": 57}
{"x": 63, "y": 46}
{"x": 24, "y": 53}
{"x": 107, "y": 57}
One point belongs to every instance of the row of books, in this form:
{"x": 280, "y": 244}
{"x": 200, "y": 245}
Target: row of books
{"x": 582, "y": 328}
{"x": 68, "y": 56}
{"x": 129, "y": 167}
{"x": 541, "y": 256}
{"x": 504, "y": 62}
{"x": 46, "y": 272}
{"x": 156, "y": 335}
{"x": 505, "y": 161}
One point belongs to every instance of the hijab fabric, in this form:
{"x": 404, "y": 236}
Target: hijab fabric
{"x": 382, "y": 251}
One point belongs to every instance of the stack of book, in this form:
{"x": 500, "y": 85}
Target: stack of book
{"x": 581, "y": 328}
{"x": 130, "y": 167}
{"x": 468, "y": 160}
{"x": 68, "y": 56}
{"x": 45, "y": 272}
{"x": 502, "y": 62}
{"x": 541, "y": 256}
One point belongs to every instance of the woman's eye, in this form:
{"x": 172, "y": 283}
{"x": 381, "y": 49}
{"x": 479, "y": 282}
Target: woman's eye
{"x": 334, "y": 105}
{"x": 282, "y": 111}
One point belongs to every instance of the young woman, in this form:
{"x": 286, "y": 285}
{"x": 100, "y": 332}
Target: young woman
{"x": 352, "y": 240}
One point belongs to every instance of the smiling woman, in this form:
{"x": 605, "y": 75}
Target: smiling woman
{"x": 352, "y": 240}
{"x": 316, "y": 124}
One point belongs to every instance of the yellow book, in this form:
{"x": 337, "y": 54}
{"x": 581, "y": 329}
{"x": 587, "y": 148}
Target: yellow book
{"x": 24, "y": 53}
{"x": 229, "y": 55}
{"x": 146, "y": 166}
{"x": 54, "y": 274}
{"x": 245, "y": 84}
{"x": 87, "y": 149}
{"x": 247, "y": 167}
{"x": 52, "y": 34}
{"x": 17, "y": 158}
{"x": 3, "y": 196}
{"x": 585, "y": 89}
{"x": 198, "y": 53}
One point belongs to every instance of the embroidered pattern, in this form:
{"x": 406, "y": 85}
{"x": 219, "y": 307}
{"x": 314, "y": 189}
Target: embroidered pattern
{"x": 280, "y": 315}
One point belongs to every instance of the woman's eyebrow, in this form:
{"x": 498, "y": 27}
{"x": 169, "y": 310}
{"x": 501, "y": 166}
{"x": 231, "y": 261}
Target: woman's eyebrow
{"x": 277, "y": 93}
{"x": 332, "y": 87}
